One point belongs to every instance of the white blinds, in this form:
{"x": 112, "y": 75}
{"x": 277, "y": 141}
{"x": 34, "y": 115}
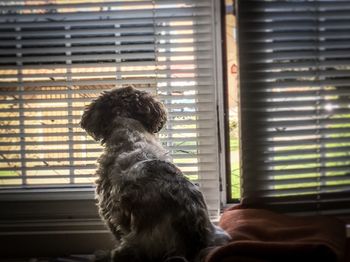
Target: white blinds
{"x": 55, "y": 56}
{"x": 295, "y": 97}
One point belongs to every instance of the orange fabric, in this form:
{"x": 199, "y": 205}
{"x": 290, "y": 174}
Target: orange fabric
{"x": 262, "y": 236}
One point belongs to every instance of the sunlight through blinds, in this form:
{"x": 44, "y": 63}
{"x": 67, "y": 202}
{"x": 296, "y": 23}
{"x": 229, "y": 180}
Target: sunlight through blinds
{"x": 56, "y": 56}
{"x": 295, "y": 98}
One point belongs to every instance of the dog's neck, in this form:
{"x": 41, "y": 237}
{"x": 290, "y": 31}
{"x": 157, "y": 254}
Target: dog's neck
{"x": 130, "y": 143}
{"x": 128, "y": 123}
{"x": 129, "y": 133}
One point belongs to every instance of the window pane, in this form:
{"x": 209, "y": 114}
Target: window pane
{"x": 56, "y": 56}
{"x": 295, "y": 105}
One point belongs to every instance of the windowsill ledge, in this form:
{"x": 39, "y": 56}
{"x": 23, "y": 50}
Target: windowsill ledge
{"x": 47, "y": 194}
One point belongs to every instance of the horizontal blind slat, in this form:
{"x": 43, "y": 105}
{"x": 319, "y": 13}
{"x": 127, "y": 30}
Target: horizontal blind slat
{"x": 104, "y": 4}
{"x": 105, "y": 48}
{"x": 120, "y": 14}
{"x": 105, "y": 31}
{"x": 200, "y": 19}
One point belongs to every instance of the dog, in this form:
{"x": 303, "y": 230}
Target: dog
{"x": 155, "y": 213}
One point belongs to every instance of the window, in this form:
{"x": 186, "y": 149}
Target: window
{"x": 57, "y": 55}
{"x": 295, "y": 104}
{"x": 233, "y": 186}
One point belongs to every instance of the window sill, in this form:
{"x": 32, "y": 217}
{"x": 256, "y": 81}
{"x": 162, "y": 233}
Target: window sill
{"x": 51, "y": 222}
{"x": 47, "y": 194}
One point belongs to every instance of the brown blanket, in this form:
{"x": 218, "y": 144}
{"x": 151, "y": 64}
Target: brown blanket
{"x": 263, "y": 236}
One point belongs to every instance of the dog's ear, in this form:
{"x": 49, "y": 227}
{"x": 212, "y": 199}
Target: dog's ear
{"x": 97, "y": 117}
{"x": 150, "y": 112}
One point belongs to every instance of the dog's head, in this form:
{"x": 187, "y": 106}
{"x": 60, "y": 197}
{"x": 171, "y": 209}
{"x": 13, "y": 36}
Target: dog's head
{"x": 122, "y": 102}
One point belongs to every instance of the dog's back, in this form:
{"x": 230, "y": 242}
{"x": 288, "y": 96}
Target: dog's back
{"x": 153, "y": 209}
{"x": 169, "y": 212}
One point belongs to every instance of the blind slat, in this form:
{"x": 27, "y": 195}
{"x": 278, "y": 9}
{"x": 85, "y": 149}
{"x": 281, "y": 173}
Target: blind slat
{"x": 303, "y": 180}
{"x": 103, "y": 39}
{"x": 108, "y": 31}
{"x": 200, "y": 20}
{"x": 295, "y": 26}
{"x": 306, "y": 15}
{"x": 304, "y": 152}
{"x": 120, "y": 14}
{"x": 311, "y": 160}
{"x": 99, "y": 57}
{"x": 133, "y": 4}
{"x": 301, "y": 142}
{"x": 105, "y": 48}
{"x": 108, "y": 64}
{"x": 306, "y": 190}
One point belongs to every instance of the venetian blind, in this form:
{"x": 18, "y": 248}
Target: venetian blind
{"x": 295, "y": 98}
{"x": 56, "y": 56}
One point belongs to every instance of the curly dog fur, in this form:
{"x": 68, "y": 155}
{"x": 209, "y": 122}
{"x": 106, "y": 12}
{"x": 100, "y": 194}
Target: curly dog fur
{"x": 152, "y": 209}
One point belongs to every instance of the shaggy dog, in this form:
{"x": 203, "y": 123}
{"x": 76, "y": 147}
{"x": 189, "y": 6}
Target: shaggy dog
{"x": 155, "y": 213}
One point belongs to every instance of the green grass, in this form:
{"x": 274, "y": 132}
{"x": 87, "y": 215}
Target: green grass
{"x": 234, "y": 145}
{"x": 8, "y": 173}
{"x": 235, "y": 171}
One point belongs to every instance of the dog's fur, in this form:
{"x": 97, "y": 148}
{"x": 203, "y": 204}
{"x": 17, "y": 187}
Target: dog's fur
{"x": 152, "y": 209}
